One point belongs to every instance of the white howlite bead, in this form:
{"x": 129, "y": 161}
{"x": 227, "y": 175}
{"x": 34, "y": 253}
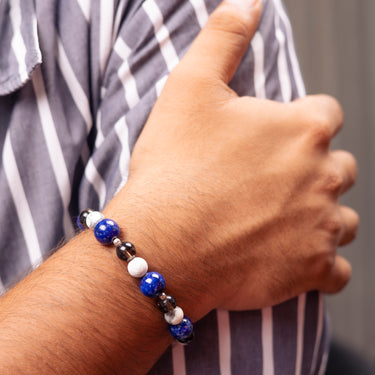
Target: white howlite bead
{"x": 93, "y": 218}
{"x": 174, "y": 317}
{"x": 137, "y": 267}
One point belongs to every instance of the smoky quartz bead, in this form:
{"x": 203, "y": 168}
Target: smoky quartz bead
{"x": 125, "y": 251}
{"x": 167, "y": 304}
{"x": 81, "y": 219}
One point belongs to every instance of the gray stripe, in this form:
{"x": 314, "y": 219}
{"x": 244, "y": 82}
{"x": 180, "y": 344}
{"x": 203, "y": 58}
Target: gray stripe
{"x": 12, "y": 263}
{"x": 294, "y": 88}
{"x": 36, "y": 172}
{"x": 73, "y": 30}
{"x": 271, "y": 50}
{"x": 33, "y": 52}
{"x": 94, "y": 63}
{"x": 310, "y": 328}
{"x": 285, "y": 337}
{"x": 243, "y": 81}
{"x": 205, "y": 346}
{"x": 180, "y": 40}
{"x": 164, "y": 365}
{"x": 246, "y": 339}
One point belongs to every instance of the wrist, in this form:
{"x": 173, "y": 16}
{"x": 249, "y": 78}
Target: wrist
{"x": 164, "y": 239}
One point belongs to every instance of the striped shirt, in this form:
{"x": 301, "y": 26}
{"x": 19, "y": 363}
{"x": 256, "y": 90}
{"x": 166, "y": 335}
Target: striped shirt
{"x": 78, "y": 79}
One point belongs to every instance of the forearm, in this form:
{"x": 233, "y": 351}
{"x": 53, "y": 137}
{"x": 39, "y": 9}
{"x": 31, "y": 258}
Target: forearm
{"x": 80, "y": 312}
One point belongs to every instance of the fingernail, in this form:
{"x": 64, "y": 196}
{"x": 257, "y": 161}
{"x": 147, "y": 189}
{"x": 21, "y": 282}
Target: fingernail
{"x": 243, "y": 4}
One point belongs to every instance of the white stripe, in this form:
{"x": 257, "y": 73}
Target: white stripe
{"x": 79, "y": 97}
{"x": 319, "y": 332}
{"x": 267, "y": 341}
{"x": 223, "y": 325}
{"x": 267, "y": 323}
{"x": 20, "y": 201}
{"x": 82, "y": 103}
{"x": 121, "y": 129}
{"x": 200, "y": 11}
{"x": 292, "y": 52}
{"x": 323, "y": 365}
{"x": 54, "y": 149}
{"x": 300, "y": 331}
{"x": 2, "y": 287}
{"x": 125, "y": 75}
{"x": 118, "y": 19}
{"x": 96, "y": 182}
{"x": 122, "y": 49}
{"x": 282, "y": 63}
{"x": 257, "y": 45}
{"x": 35, "y": 37}
{"x": 99, "y": 134}
{"x": 106, "y": 29}
{"x": 91, "y": 173}
{"x": 160, "y": 85}
{"x": 18, "y": 45}
{"x": 178, "y": 359}
{"x": 161, "y": 34}
{"x": 85, "y": 6}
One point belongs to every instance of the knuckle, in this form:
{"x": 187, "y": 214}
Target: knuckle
{"x": 326, "y": 265}
{"x": 320, "y": 129}
{"x": 336, "y": 108}
{"x": 333, "y": 182}
{"x": 355, "y": 224}
{"x": 322, "y": 261}
{"x": 340, "y": 281}
{"x": 352, "y": 166}
{"x": 333, "y": 225}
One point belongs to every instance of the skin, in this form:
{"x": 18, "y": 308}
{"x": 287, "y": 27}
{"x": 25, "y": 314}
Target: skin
{"x": 224, "y": 194}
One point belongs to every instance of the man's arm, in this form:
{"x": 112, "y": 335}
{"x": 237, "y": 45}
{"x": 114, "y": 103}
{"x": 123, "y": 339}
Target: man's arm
{"x": 214, "y": 208}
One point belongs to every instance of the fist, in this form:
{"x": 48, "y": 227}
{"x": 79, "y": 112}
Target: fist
{"x": 239, "y": 196}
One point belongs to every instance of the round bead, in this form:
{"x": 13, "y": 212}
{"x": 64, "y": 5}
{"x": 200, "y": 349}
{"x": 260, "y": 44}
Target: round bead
{"x": 116, "y": 241}
{"x": 183, "y": 330}
{"x": 81, "y": 219}
{"x": 152, "y": 284}
{"x": 93, "y": 218}
{"x": 125, "y": 251}
{"x": 106, "y": 230}
{"x": 137, "y": 267}
{"x": 175, "y": 316}
{"x": 167, "y": 304}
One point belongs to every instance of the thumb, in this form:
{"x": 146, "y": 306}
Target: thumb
{"x": 218, "y": 49}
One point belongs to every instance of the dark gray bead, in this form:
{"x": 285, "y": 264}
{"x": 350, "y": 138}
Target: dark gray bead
{"x": 81, "y": 220}
{"x": 166, "y": 305}
{"x": 125, "y": 251}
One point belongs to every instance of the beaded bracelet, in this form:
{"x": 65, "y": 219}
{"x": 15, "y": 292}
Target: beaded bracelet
{"x": 152, "y": 284}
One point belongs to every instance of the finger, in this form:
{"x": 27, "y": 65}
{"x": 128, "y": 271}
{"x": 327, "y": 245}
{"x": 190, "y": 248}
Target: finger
{"x": 338, "y": 277}
{"x": 346, "y": 166}
{"x": 220, "y": 46}
{"x": 322, "y": 115}
{"x": 350, "y": 220}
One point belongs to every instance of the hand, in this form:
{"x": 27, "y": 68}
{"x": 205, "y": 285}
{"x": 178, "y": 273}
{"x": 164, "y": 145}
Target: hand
{"x": 240, "y": 195}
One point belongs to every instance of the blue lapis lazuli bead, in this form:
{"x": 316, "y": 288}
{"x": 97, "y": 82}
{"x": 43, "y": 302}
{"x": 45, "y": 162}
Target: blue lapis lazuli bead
{"x": 106, "y": 230}
{"x": 183, "y": 330}
{"x": 152, "y": 284}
